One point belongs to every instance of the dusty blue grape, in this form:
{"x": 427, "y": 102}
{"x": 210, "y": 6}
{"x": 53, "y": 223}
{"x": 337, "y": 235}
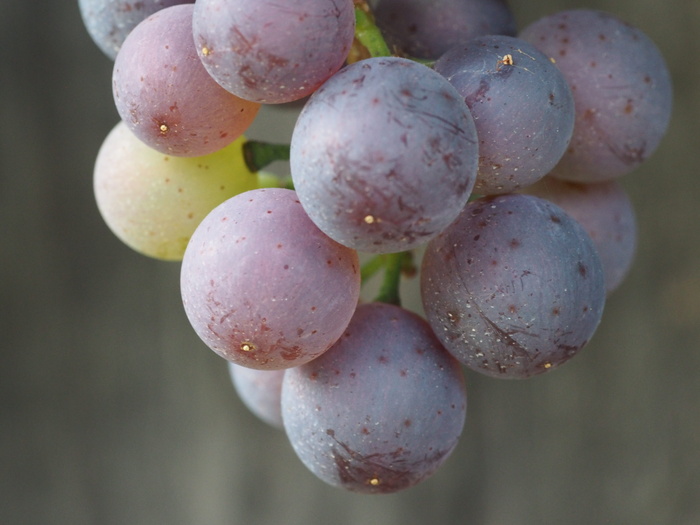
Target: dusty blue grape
{"x": 621, "y": 86}
{"x": 109, "y": 22}
{"x": 606, "y": 213}
{"x": 428, "y": 28}
{"x": 522, "y": 107}
{"x": 260, "y": 391}
{"x": 382, "y": 409}
{"x": 384, "y": 155}
{"x": 514, "y": 287}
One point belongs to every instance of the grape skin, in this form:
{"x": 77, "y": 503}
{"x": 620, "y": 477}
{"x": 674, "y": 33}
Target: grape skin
{"x": 621, "y": 86}
{"x": 109, "y": 22}
{"x": 606, "y": 213}
{"x": 166, "y": 97}
{"x": 514, "y": 287}
{"x": 154, "y": 202}
{"x": 428, "y": 28}
{"x": 262, "y": 286}
{"x": 382, "y": 409}
{"x": 260, "y": 391}
{"x": 522, "y": 108}
{"x": 272, "y": 52}
{"x": 390, "y": 177}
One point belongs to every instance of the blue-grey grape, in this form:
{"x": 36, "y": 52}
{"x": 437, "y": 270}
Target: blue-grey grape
{"x": 262, "y": 286}
{"x": 621, "y": 86}
{"x": 428, "y": 28}
{"x": 273, "y": 52}
{"x": 514, "y": 287}
{"x": 260, "y": 391}
{"x": 109, "y": 22}
{"x": 605, "y": 212}
{"x": 382, "y": 409}
{"x": 522, "y": 107}
{"x": 166, "y": 97}
{"x": 384, "y": 155}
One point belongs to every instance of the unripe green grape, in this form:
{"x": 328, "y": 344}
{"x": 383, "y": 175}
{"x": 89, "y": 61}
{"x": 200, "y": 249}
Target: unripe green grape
{"x": 153, "y": 202}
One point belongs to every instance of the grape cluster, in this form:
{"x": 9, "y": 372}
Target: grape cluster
{"x": 429, "y": 128}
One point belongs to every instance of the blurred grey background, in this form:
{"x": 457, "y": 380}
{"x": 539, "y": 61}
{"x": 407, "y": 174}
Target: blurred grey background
{"x": 113, "y": 412}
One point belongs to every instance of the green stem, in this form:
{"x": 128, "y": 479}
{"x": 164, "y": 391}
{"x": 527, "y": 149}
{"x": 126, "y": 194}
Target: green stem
{"x": 367, "y": 32}
{"x": 394, "y": 263}
{"x": 259, "y": 154}
{"x": 371, "y": 267}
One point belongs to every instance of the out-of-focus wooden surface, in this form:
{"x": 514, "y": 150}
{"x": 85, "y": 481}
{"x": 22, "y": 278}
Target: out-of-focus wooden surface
{"x": 113, "y": 412}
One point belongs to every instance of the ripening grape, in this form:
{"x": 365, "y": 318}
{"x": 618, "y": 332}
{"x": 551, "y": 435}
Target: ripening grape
{"x": 428, "y": 28}
{"x": 273, "y": 52}
{"x": 384, "y": 155}
{"x": 514, "y": 287}
{"x": 166, "y": 97}
{"x": 154, "y": 202}
{"x": 621, "y": 87}
{"x": 382, "y": 409}
{"x": 260, "y": 391}
{"x": 262, "y": 286}
{"x": 522, "y": 108}
{"x": 109, "y": 22}
{"x": 605, "y": 212}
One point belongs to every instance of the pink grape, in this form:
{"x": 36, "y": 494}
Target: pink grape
{"x": 263, "y": 286}
{"x": 166, "y": 97}
{"x": 273, "y": 52}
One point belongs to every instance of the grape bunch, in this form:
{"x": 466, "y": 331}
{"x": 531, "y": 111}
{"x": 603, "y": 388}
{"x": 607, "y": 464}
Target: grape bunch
{"x": 435, "y": 141}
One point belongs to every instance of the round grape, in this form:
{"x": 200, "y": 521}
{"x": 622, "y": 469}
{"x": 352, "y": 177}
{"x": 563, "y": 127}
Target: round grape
{"x": 606, "y": 213}
{"x": 262, "y": 286}
{"x": 514, "y": 287}
{"x": 382, "y": 409}
{"x": 621, "y": 87}
{"x": 260, "y": 391}
{"x": 428, "y": 28}
{"x": 166, "y": 97}
{"x": 108, "y": 22}
{"x": 273, "y": 52}
{"x": 154, "y": 202}
{"x": 384, "y": 155}
{"x": 522, "y": 108}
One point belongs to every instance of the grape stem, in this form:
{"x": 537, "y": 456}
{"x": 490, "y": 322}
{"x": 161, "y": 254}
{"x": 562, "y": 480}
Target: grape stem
{"x": 367, "y": 33}
{"x": 394, "y": 264}
{"x": 259, "y": 154}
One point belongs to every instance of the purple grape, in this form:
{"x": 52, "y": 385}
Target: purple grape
{"x": 428, "y": 28}
{"x": 621, "y": 86}
{"x": 514, "y": 287}
{"x": 382, "y": 409}
{"x": 273, "y": 52}
{"x": 110, "y": 21}
{"x": 384, "y": 155}
{"x": 167, "y": 98}
{"x": 522, "y": 108}
{"x": 606, "y": 213}
{"x": 262, "y": 286}
{"x": 260, "y": 391}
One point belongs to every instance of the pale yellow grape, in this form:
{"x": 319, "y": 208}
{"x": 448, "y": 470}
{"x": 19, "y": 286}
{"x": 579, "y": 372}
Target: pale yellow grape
{"x": 153, "y": 202}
